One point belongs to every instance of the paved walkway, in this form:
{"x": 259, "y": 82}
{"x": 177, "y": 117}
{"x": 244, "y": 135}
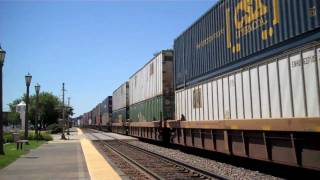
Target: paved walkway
{"x": 73, "y": 159}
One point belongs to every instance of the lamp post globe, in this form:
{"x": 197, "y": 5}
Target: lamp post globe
{"x": 37, "y": 88}
{"x": 28, "y": 78}
{"x": 2, "y": 56}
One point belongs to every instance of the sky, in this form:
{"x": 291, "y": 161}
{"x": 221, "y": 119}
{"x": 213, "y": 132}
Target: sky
{"x": 91, "y": 46}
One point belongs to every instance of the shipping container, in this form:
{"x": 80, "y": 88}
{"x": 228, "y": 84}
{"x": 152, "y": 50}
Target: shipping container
{"x": 86, "y": 119}
{"x": 236, "y": 33}
{"x": 151, "y": 89}
{"x": 83, "y": 120}
{"x": 106, "y": 111}
{"x": 90, "y": 122}
{"x": 284, "y": 86}
{"x": 98, "y": 115}
{"x": 120, "y": 104}
{"x": 93, "y": 116}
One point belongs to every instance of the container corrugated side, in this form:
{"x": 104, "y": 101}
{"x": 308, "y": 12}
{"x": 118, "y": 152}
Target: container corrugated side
{"x": 105, "y": 105}
{"x": 150, "y": 87}
{"x": 98, "y": 114}
{"x": 232, "y": 33}
{"x": 148, "y": 81}
{"x": 285, "y": 86}
{"x": 106, "y": 110}
{"x": 120, "y": 97}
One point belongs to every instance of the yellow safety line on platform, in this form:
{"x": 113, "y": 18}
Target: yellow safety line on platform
{"x": 98, "y": 167}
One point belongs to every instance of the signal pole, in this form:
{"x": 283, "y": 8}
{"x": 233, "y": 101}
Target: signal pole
{"x": 68, "y": 132}
{"x": 63, "y": 114}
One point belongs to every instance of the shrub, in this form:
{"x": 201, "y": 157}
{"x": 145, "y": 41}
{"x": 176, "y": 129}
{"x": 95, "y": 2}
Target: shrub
{"x": 44, "y": 135}
{"x": 54, "y": 128}
{"x": 7, "y": 136}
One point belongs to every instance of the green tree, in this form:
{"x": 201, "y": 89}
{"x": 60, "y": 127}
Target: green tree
{"x": 50, "y": 108}
{"x": 13, "y": 118}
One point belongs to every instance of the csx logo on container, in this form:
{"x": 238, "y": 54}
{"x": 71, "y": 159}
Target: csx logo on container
{"x": 249, "y": 16}
{"x": 251, "y": 11}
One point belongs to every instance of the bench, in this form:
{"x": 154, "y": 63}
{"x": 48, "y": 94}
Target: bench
{"x": 19, "y": 141}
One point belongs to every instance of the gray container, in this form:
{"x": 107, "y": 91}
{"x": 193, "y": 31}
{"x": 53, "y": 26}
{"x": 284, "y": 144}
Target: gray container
{"x": 120, "y": 103}
{"x": 106, "y": 111}
{"x": 106, "y": 105}
{"x": 121, "y": 97}
{"x": 237, "y": 33}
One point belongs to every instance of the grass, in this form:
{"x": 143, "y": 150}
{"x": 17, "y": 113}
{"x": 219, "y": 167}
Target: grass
{"x": 11, "y": 153}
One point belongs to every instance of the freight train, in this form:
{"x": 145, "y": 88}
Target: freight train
{"x": 242, "y": 80}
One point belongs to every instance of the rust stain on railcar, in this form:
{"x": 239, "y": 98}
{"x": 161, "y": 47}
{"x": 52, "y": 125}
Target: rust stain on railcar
{"x": 281, "y": 124}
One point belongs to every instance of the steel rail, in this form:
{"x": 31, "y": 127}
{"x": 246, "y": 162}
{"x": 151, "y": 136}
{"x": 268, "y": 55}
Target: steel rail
{"x": 173, "y": 161}
{"x": 169, "y": 160}
{"x": 141, "y": 167}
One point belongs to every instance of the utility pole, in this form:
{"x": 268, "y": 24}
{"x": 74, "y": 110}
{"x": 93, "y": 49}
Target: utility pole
{"x": 2, "y": 55}
{"x": 63, "y": 113}
{"x": 68, "y": 132}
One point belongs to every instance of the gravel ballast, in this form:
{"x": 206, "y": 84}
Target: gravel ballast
{"x": 216, "y": 167}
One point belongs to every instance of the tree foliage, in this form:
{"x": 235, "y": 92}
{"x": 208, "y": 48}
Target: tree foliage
{"x": 11, "y": 118}
{"x": 50, "y": 108}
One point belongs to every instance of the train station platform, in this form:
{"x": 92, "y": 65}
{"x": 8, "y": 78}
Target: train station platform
{"x": 76, "y": 158}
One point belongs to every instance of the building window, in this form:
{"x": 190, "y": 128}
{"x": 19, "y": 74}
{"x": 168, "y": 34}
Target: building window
{"x": 197, "y": 100}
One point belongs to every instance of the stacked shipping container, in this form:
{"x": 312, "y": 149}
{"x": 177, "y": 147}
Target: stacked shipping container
{"x": 120, "y": 105}
{"x": 151, "y": 89}
{"x": 281, "y": 87}
{"x": 106, "y": 111}
{"x": 260, "y": 37}
{"x": 229, "y": 34}
{"x": 97, "y": 110}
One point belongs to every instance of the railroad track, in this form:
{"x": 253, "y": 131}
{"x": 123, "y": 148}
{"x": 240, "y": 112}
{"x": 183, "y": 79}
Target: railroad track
{"x": 150, "y": 165}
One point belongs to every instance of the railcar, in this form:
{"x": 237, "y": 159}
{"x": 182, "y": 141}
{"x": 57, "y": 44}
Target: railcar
{"x": 246, "y": 82}
{"x": 120, "y": 108}
{"x": 152, "y": 96}
{"x": 106, "y": 113}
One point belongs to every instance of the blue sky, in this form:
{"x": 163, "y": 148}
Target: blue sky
{"x": 91, "y": 46}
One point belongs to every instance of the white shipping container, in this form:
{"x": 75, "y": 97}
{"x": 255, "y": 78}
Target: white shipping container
{"x": 255, "y": 94}
{"x": 233, "y": 105}
{"x": 120, "y": 97}
{"x": 280, "y": 87}
{"x": 264, "y": 91}
{"x": 239, "y": 96}
{"x": 311, "y": 85}
{"x": 285, "y": 88}
{"x": 274, "y": 90}
{"x": 147, "y": 82}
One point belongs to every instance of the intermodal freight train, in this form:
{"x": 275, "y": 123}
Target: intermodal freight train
{"x": 242, "y": 80}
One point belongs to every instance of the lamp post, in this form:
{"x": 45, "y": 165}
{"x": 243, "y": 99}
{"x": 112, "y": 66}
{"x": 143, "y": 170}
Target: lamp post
{"x": 28, "y": 78}
{"x": 2, "y": 55}
{"x": 37, "y": 88}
